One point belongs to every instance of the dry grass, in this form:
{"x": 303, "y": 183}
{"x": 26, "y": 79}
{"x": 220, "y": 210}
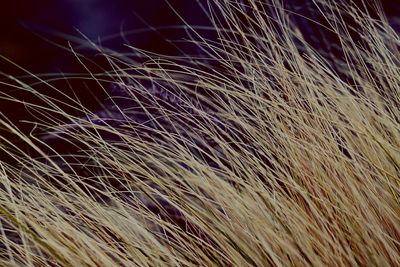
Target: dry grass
{"x": 300, "y": 167}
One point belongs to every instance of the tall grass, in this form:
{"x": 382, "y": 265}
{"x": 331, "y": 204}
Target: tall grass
{"x": 263, "y": 152}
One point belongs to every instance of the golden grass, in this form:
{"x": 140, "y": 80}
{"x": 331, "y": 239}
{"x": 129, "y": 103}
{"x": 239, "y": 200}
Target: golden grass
{"x": 305, "y": 160}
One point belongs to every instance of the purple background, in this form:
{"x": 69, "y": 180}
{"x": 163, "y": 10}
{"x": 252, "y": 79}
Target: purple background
{"x": 26, "y": 24}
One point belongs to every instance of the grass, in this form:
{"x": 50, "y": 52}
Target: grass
{"x": 265, "y": 152}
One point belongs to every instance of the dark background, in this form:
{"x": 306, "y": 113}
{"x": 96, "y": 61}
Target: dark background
{"x": 30, "y": 29}
{"x": 36, "y": 35}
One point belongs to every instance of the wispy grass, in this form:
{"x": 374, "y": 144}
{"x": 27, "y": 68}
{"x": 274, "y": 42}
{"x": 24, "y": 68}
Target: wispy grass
{"x": 263, "y": 152}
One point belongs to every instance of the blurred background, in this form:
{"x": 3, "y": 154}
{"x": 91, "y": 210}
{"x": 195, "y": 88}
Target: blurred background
{"x": 37, "y": 35}
{"x": 31, "y": 30}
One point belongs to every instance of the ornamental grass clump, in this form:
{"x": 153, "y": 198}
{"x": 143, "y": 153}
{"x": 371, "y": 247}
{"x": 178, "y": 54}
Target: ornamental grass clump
{"x": 263, "y": 150}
